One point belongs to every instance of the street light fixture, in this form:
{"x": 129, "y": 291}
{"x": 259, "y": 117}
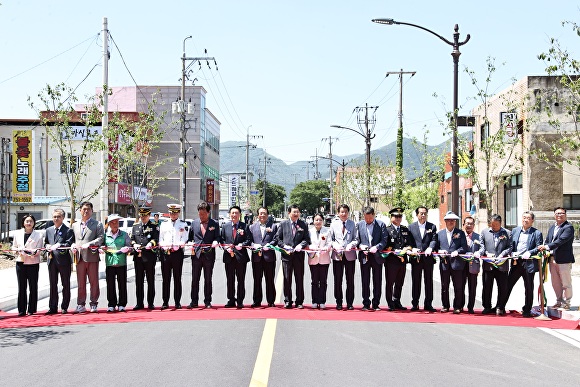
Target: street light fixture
{"x": 368, "y": 136}
{"x": 343, "y": 165}
{"x": 455, "y": 205}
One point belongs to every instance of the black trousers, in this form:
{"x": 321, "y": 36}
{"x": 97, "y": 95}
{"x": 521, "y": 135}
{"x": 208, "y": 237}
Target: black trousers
{"x": 319, "y": 277}
{"x": 395, "y": 273}
{"x": 236, "y": 271}
{"x": 471, "y": 289}
{"x": 27, "y": 276}
{"x": 294, "y": 264}
{"x": 516, "y": 272}
{"x": 422, "y": 269}
{"x": 116, "y": 274}
{"x": 501, "y": 278}
{"x": 54, "y": 271}
{"x": 142, "y": 270}
{"x": 171, "y": 263}
{"x": 197, "y": 265}
{"x": 377, "y": 273}
{"x": 262, "y": 269}
{"x": 338, "y": 269}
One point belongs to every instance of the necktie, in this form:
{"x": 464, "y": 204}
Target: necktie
{"x": 317, "y": 233}
{"x": 234, "y": 230}
{"x": 55, "y": 234}
{"x": 203, "y": 229}
{"x": 293, "y": 228}
{"x": 343, "y": 227}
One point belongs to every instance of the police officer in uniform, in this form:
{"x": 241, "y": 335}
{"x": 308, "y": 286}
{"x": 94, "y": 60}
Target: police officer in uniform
{"x": 144, "y": 238}
{"x": 399, "y": 238}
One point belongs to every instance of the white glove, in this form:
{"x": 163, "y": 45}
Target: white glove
{"x": 363, "y": 247}
{"x": 373, "y": 250}
{"x": 256, "y": 245}
{"x": 54, "y": 247}
{"x": 414, "y": 250}
{"x": 476, "y": 254}
{"x": 148, "y": 246}
{"x": 175, "y": 248}
{"x": 166, "y": 248}
{"x": 454, "y": 254}
{"x": 181, "y": 243}
{"x": 329, "y": 248}
{"x": 336, "y": 245}
{"x": 125, "y": 249}
{"x": 136, "y": 246}
{"x": 214, "y": 244}
{"x": 286, "y": 247}
{"x": 86, "y": 246}
{"x": 443, "y": 252}
{"x": 239, "y": 246}
{"x": 229, "y": 250}
{"x": 428, "y": 251}
{"x": 298, "y": 248}
{"x": 348, "y": 247}
{"x": 526, "y": 255}
{"x": 266, "y": 247}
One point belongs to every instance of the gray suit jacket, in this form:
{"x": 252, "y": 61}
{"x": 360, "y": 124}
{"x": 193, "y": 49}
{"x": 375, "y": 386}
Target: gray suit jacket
{"x": 488, "y": 246}
{"x": 336, "y": 235}
{"x": 379, "y": 239}
{"x": 93, "y": 234}
{"x": 534, "y": 240}
{"x": 256, "y": 237}
{"x": 66, "y": 238}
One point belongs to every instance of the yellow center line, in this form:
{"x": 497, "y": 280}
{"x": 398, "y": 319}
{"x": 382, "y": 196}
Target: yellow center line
{"x": 264, "y": 358}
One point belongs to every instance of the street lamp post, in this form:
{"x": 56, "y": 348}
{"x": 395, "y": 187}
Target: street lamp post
{"x": 343, "y": 165}
{"x": 455, "y": 205}
{"x": 368, "y": 136}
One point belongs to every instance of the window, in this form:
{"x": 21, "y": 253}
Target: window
{"x": 484, "y": 132}
{"x": 69, "y": 164}
{"x": 468, "y": 199}
{"x": 513, "y": 200}
{"x": 571, "y": 202}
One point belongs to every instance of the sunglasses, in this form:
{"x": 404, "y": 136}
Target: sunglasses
{"x": 397, "y": 216}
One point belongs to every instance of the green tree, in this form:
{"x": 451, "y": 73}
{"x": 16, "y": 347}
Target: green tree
{"x": 352, "y": 188}
{"x": 275, "y": 195}
{"x": 308, "y": 195}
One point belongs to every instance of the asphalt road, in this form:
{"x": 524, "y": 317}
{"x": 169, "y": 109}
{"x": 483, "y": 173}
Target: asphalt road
{"x": 303, "y": 352}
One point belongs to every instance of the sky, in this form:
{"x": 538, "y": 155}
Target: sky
{"x": 287, "y": 70}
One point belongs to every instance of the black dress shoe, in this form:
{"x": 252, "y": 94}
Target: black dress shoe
{"x": 192, "y": 305}
{"x": 150, "y": 306}
{"x": 470, "y": 311}
{"x": 456, "y": 311}
{"x": 139, "y": 307}
{"x": 400, "y": 307}
{"x": 487, "y": 311}
{"x": 414, "y": 308}
{"x": 349, "y": 307}
{"x": 256, "y": 305}
{"x": 240, "y": 306}
{"x": 526, "y": 314}
{"x": 230, "y": 305}
{"x": 288, "y": 305}
{"x": 271, "y": 305}
{"x": 164, "y": 306}
{"x": 376, "y": 308}
{"x": 500, "y": 312}
{"x": 208, "y": 305}
{"x": 365, "y": 308}
{"x": 64, "y": 311}
{"x": 338, "y": 306}
{"x": 21, "y": 314}
{"x": 300, "y": 306}
{"x": 429, "y": 309}
{"x": 177, "y": 306}
{"x": 444, "y": 310}
{"x": 50, "y": 312}
{"x": 30, "y": 313}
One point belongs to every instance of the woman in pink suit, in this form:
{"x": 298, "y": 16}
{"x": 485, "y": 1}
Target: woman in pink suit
{"x": 319, "y": 261}
{"x": 26, "y": 243}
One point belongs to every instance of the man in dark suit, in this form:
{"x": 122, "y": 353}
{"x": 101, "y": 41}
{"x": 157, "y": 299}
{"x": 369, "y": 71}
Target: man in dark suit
{"x": 559, "y": 241}
{"x": 472, "y": 268}
{"x": 293, "y": 237}
{"x": 449, "y": 243}
{"x": 89, "y": 236}
{"x": 399, "y": 238}
{"x": 144, "y": 237}
{"x": 343, "y": 236}
{"x": 525, "y": 242}
{"x": 204, "y": 233}
{"x": 371, "y": 238}
{"x": 261, "y": 235}
{"x": 495, "y": 245}
{"x": 234, "y": 235}
{"x": 423, "y": 233}
{"x": 59, "y": 261}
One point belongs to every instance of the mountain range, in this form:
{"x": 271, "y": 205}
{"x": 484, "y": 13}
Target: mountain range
{"x": 288, "y": 175}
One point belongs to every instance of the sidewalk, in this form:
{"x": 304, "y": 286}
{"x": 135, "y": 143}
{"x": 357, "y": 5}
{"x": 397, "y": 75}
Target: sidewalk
{"x": 9, "y": 285}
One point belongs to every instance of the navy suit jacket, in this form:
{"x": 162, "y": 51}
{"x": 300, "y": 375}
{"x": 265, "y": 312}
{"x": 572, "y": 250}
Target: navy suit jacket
{"x": 255, "y": 236}
{"x": 379, "y": 239}
{"x": 285, "y": 236}
{"x": 562, "y": 244}
{"x": 488, "y": 246}
{"x": 458, "y": 243}
{"x": 212, "y": 233}
{"x": 66, "y": 238}
{"x": 534, "y": 240}
{"x": 423, "y": 242}
{"x": 226, "y": 237}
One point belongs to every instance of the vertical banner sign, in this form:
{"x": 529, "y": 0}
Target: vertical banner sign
{"x": 22, "y": 166}
{"x": 210, "y": 191}
{"x": 233, "y": 190}
{"x": 509, "y": 123}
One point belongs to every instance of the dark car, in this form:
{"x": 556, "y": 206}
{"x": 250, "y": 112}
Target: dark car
{"x": 328, "y": 219}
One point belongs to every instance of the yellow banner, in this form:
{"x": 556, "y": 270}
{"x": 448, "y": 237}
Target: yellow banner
{"x": 22, "y": 166}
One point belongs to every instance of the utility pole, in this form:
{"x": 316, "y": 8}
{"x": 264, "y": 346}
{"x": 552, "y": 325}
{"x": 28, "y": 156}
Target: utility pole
{"x": 331, "y": 199}
{"x": 307, "y": 167}
{"x": 183, "y": 109}
{"x": 266, "y": 162}
{"x": 399, "y": 178}
{"x": 248, "y": 185}
{"x": 367, "y": 125}
{"x": 316, "y": 174}
{"x": 295, "y": 176}
{"x": 105, "y": 123}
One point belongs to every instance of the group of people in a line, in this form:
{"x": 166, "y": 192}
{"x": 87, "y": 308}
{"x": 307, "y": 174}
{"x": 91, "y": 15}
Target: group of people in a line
{"x": 505, "y": 257}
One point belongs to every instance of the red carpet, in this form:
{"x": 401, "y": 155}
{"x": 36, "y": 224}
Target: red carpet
{"x": 10, "y": 320}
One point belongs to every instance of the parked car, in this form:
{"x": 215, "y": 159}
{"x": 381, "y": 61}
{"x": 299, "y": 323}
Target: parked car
{"x": 309, "y": 220}
{"x": 329, "y": 218}
{"x": 41, "y": 224}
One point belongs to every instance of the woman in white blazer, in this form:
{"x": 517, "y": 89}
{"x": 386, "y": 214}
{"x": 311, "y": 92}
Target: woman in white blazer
{"x": 319, "y": 261}
{"x": 26, "y": 243}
